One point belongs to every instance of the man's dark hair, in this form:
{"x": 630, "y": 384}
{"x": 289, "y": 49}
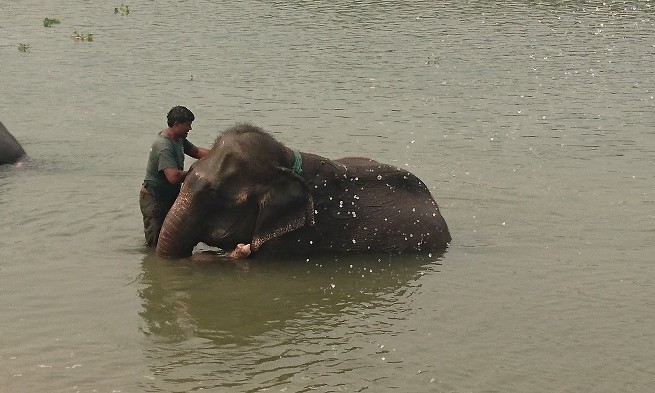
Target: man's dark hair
{"x": 179, "y": 114}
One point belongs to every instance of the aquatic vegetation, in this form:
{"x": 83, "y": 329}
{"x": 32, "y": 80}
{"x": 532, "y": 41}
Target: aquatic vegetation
{"x": 49, "y": 22}
{"x": 23, "y": 47}
{"x": 82, "y": 36}
{"x": 123, "y": 10}
{"x": 432, "y": 60}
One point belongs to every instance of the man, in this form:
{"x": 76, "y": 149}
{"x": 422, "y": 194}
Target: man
{"x": 165, "y": 171}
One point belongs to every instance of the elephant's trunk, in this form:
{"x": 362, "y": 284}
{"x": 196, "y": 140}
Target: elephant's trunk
{"x": 177, "y": 237}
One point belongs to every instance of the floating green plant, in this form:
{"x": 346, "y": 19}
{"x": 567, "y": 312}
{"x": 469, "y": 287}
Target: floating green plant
{"x": 82, "y": 36}
{"x": 432, "y": 60}
{"x": 123, "y": 10}
{"x": 23, "y": 47}
{"x": 48, "y": 22}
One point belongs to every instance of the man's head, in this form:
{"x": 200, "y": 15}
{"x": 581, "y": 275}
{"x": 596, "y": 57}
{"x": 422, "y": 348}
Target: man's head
{"x": 179, "y": 114}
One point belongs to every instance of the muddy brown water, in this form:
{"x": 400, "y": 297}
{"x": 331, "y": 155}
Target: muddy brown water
{"x": 532, "y": 124}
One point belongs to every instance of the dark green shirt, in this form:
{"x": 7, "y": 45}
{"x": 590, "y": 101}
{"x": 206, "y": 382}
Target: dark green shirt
{"x": 165, "y": 153}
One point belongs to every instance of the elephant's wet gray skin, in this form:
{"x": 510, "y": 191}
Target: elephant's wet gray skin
{"x": 251, "y": 189}
{"x": 10, "y": 150}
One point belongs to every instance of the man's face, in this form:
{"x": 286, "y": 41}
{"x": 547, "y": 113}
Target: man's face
{"x": 182, "y": 129}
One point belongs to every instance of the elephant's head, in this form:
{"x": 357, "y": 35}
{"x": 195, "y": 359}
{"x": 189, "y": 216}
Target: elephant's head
{"x": 243, "y": 191}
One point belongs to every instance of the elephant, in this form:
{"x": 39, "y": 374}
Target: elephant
{"x": 10, "y": 150}
{"x": 252, "y": 190}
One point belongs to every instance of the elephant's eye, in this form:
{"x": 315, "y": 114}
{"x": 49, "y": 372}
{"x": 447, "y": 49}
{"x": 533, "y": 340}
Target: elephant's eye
{"x": 241, "y": 197}
{"x": 229, "y": 199}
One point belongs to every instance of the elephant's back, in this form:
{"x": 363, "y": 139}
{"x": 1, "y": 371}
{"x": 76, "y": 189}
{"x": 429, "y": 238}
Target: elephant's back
{"x": 357, "y": 161}
{"x": 367, "y": 170}
{"x": 10, "y": 150}
{"x": 381, "y": 207}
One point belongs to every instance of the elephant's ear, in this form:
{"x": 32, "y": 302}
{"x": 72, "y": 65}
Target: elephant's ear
{"x": 285, "y": 206}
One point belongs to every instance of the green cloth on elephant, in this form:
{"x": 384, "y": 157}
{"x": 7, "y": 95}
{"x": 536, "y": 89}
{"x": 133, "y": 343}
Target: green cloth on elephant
{"x": 297, "y": 162}
{"x": 164, "y": 153}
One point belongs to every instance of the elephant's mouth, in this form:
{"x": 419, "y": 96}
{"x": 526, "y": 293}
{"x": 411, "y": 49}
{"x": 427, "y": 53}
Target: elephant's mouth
{"x": 222, "y": 238}
{"x": 218, "y": 234}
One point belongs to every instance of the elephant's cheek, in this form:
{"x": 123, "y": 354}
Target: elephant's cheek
{"x": 225, "y": 232}
{"x": 214, "y": 237}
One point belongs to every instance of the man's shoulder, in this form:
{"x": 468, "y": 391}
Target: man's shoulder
{"x": 161, "y": 143}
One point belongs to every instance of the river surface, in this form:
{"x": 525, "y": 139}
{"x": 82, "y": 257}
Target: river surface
{"x": 532, "y": 123}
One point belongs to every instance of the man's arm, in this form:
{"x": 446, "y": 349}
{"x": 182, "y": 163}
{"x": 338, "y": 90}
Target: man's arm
{"x": 174, "y": 176}
{"x": 168, "y": 165}
{"x": 196, "y": 152}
